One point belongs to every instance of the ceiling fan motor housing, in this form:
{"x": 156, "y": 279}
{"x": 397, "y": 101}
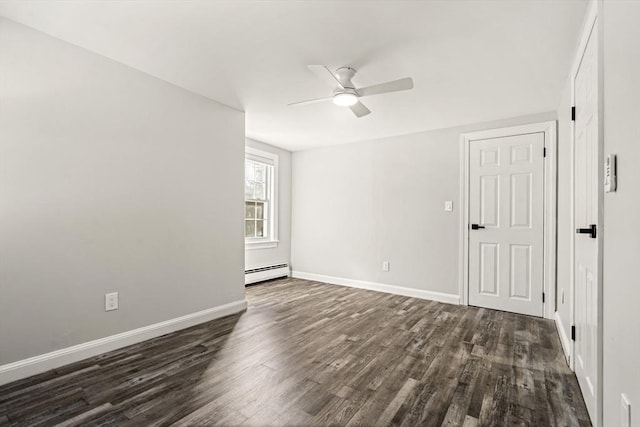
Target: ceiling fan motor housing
{"x": 344, "y": 76}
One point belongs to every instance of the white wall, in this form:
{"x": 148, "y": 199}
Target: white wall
{"x": 255, "y": 258}
{"x": 111, "y": 180}
{"x": 360, "y": 204}
{"x": 621, "y": 285}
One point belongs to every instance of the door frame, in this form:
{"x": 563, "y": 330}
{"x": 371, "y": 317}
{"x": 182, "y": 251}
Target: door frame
{"x": 549, "y": 200}
{"x": 590, "y": 23}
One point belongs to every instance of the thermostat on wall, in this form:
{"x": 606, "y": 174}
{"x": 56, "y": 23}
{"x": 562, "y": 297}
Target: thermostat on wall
{"x": 610, "y": 173}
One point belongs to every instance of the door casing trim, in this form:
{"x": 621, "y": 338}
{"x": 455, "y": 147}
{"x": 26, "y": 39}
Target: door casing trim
{"x": 549, "y": 129}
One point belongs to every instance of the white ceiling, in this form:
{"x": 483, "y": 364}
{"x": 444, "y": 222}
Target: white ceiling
{"x": 471, "y": 61}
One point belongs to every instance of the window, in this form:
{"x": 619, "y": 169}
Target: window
{"x": 260, "y": 171}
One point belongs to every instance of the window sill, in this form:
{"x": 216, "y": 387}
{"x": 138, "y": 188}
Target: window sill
{"x": 268, "y": 244}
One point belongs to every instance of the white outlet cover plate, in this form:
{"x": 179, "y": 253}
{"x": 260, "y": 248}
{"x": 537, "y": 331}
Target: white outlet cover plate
{"x": 448, "y": 205}
{"x": 111, "y": 301}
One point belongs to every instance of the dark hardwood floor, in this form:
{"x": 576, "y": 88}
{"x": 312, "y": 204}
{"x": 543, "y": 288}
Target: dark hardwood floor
{"x": 307, "y": 353}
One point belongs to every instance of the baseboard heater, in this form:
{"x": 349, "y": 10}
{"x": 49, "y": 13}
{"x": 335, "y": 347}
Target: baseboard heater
{"x": 266, "y": 273}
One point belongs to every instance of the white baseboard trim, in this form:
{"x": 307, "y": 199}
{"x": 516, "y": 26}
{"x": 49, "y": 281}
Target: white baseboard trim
{"x": 379, "y": 287}
{"x": 564, "y": 339}
{"x": 45, "y": 362}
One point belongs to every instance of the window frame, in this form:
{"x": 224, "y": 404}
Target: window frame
{"x": 271, "y": 239}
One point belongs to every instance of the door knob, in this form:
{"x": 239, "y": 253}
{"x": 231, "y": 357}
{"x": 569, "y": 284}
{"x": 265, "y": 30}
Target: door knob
{"x": 476, "y": 226}
{"x": 592, "y": 230}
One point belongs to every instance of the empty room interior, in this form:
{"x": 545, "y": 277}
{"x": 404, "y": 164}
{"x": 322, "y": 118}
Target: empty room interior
{"x": 314, "y": 213}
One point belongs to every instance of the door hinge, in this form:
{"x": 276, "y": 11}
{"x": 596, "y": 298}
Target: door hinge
{"x": 573, "y": 332}
{"x": 543, "y": 297}
{"x": 573, "y": 114}
{"x": 544, "y": 152}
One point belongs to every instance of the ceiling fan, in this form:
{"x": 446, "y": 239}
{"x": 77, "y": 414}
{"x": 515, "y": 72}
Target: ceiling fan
{"x": 345, "y": 94}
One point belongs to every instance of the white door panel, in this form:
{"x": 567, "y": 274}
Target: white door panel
{"x": 506, "y": 179}
{"x": 586, "y": 214}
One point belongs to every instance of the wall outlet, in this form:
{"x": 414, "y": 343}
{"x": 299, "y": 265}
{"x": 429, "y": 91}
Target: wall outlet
{"x": 625, "y": 411}
{"x": 385, "y": 265}
{"x": 448, "y": 205}
{"x": 111, "y": 301}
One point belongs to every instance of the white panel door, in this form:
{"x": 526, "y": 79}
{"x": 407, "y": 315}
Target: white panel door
{"x": 586, "y": 216}
{"x": 506, "y": 210}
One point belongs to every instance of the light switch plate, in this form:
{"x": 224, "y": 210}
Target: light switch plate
{"x": 610, "y": 173}
{"x": 448, "y": 205}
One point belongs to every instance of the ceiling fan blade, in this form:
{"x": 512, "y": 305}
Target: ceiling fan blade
{"x": 393, "y": 86}
{"x": 325, "y": 74}
{"x": 359, "y": 109}
{"x": 310, "y": 101}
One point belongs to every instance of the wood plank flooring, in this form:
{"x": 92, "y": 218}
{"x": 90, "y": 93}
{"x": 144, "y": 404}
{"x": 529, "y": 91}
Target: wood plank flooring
{"x": 306, "y": 353}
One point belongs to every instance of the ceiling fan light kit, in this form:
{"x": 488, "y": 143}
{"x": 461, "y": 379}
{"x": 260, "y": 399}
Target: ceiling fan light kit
{"x": 345, "y": 94}
{"x": 345, "y": 99}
